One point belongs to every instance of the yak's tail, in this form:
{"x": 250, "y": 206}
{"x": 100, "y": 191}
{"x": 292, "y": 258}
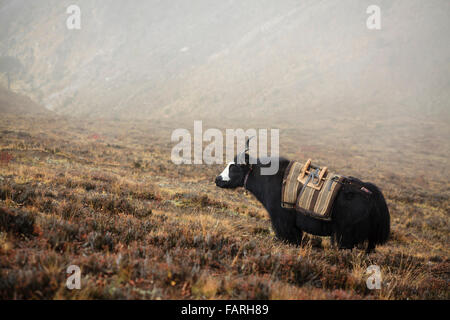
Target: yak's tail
{"x": 380, "y": 223}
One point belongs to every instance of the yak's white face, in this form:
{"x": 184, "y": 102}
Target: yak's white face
{"x": 225, "y": 175}
{"x": 232, "y": 176}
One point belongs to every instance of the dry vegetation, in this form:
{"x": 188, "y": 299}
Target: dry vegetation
{"x": 104, "y": 195}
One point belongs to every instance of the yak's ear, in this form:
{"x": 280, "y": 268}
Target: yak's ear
{"x": 247, "y": 158}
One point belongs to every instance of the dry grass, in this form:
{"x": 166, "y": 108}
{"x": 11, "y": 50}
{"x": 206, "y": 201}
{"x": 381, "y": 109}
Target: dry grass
{"x": 105, "y": 196}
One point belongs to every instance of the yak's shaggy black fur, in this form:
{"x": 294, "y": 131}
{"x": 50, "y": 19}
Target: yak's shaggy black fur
{"x": 357, "y": 216}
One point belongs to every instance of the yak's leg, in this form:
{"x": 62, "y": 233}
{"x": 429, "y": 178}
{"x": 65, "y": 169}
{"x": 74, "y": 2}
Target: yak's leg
{"x": 370, "y": 247}
{"x": 333, "y": 240}
{"x": 345, "y": 239}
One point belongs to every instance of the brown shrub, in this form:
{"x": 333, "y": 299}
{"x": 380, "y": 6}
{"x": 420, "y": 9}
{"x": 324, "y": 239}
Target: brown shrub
{"x": 16, "y": 221}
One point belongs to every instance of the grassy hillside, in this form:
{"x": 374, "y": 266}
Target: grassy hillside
{"x": 105, "y": 196}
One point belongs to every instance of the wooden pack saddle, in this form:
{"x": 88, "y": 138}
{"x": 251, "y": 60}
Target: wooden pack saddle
{"x": 310, "y": 189}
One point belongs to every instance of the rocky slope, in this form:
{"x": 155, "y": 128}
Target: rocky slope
{"x": 14, "y": 103}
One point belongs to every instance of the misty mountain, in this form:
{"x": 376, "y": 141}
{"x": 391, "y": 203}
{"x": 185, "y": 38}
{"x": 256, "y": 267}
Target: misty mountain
{"x": 231, "y": 59}
{"x": 18, "y": 104}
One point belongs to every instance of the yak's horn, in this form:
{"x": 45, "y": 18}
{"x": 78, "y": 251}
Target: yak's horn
{"x": 247, "y": 143}
{"x": 241, "y": 156}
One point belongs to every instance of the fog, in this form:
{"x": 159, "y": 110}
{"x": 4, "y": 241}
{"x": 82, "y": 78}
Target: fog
{"x": 231, "y": 59}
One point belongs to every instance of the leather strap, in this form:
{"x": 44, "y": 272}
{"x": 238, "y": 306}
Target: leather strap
{"x": 246, "y": 177}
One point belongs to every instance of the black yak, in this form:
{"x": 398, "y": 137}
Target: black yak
{"x": 356, "y": 216}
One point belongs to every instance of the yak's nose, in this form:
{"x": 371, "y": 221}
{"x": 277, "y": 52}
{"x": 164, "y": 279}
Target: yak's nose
{"x": 218, "y": 179}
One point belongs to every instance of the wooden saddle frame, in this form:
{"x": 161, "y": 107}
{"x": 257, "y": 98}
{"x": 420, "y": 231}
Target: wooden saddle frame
{"x": 312, "y": 175}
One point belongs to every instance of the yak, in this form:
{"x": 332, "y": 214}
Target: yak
{"x": 356, "y": 216}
